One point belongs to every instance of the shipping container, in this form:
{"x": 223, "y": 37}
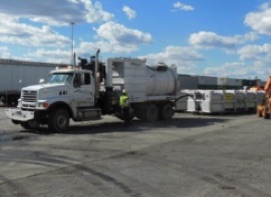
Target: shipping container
{"x": 223, "y": 81}
{"x": 188, "y": 82}
{"x": 221, "y": 101}
{"x": 205, "y": 80}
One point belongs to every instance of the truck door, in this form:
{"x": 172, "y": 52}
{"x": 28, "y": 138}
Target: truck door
{"x": 83, "y": 90}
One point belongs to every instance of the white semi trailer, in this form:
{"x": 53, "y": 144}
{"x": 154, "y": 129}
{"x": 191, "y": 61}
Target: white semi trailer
{"x": 15, "y": 74}
{"x": 93, "y": 89}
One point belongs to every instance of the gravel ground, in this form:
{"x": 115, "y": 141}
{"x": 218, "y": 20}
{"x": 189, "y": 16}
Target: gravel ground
{"x": 190, "y": 155}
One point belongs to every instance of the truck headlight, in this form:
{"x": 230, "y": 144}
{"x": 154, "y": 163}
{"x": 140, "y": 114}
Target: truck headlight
{"x": 43, "y": 105}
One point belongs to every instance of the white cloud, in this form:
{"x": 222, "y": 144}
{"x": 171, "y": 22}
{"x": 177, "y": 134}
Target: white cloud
{"x": 117, "y": 33}
{"x": 95, "y": 13}
{"x": 115, "y": 38}
{"x": 241, "y": 70}
{"x": 260, "y": 21}
{"x": 212, "y": 40}
{"x": 255, "y": 62}
{"x": 29, "y": 23}
{"x": 118, "y": 38}
{"x": 259, "y": 56}
{"x": 184, "y": 58}
{"x": 85, "y": 48}
{"x": 54, "y": 56}
{"x": 60, "y": 12}
{"x": 233, "y": 69}
{"x": 129, "y": 12}
{"x": 4, "y": 52}
{"x": 14, "y": 32}
{"x": 255, "y": 52}
{"x": 183, "y": 7}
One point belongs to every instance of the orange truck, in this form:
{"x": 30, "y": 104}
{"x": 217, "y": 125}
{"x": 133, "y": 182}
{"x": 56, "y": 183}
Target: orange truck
{"x": 264, "y": 109}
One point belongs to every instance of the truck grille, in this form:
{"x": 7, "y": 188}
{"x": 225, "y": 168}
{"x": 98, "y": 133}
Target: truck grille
{"x": 29, "y": 96}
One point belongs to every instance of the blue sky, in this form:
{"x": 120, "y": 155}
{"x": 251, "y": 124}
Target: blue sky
{"x": 204, "y": 37}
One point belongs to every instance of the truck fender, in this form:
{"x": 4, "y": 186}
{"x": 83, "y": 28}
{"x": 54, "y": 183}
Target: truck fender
{"x": 62, "y": 105}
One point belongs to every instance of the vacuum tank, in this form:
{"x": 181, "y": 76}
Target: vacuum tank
{"x": 161, "y": 80}
{"x": 142, "y": 81}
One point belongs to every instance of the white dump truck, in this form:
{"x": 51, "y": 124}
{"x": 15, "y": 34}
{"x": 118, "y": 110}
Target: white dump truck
{"x": 92, "y": 89}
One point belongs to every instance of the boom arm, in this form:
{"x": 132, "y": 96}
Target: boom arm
{"x": 267, "y": 86}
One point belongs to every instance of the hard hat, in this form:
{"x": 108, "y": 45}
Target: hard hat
{"x": 124, "y": 91}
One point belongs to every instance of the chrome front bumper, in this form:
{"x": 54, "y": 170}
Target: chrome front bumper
{"x": 18, "y": 114}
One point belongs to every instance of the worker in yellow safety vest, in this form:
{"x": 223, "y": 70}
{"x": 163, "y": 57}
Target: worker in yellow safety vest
{"x": 125, "y": 107}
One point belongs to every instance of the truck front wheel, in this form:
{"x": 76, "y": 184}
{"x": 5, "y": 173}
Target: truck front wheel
{"x": 58, "y": 120}
{"x": 30, "y": 125}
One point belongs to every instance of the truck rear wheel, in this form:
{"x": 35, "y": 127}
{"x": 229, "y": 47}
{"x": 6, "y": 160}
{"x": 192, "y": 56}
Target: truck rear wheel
{"x": 166, "y": 112}
{"x": 58, "y": 120}
{"x": 152, "y": 113}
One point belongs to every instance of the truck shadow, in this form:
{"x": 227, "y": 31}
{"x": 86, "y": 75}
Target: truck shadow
{"x": 141, "y": 126}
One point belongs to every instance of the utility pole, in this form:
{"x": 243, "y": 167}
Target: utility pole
{"x": 72, "y": 56}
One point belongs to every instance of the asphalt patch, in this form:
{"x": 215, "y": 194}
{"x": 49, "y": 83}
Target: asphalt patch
{"x": 13, "y": 137}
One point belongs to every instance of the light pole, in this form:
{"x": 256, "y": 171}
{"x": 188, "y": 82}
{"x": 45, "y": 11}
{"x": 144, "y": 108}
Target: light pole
{"x": 72, "y": 57}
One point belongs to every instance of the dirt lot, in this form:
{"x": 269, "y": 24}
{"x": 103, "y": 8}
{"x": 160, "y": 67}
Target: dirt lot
{"x": 189, "y": 156}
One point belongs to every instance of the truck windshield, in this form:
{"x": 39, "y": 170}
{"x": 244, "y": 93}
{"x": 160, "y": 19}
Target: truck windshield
{"x": 64, "y": 78}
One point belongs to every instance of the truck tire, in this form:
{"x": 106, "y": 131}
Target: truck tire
{"x": 58, "y": 120}
{"x": 25, "y": 125}
{"x": 166, "y": 112}
{"x": 15, "y": 121}
{"x": 151, "y": 113}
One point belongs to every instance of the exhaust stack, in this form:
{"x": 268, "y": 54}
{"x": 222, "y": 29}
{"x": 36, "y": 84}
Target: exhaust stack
{"x": 97, "y": 75}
